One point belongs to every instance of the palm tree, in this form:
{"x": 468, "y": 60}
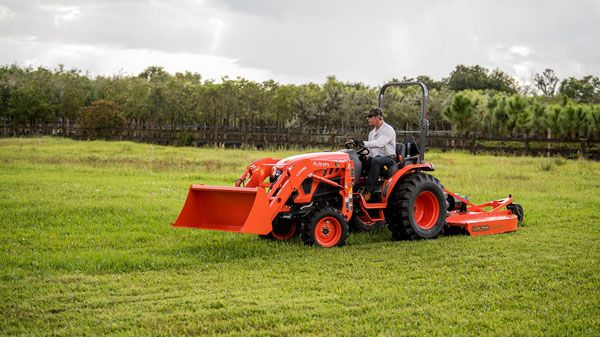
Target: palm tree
{"x": 595, "y": 120}
{"x": 574, "y": 120}
{"x": 538, "y": 113}
{"x": 519, "y": 117}
{"x": 497, "y": 106}
{"x": 553, "y": 121}
{"x": 461, "y": 113}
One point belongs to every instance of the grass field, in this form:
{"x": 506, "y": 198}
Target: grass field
{"x": 87, "y": 249}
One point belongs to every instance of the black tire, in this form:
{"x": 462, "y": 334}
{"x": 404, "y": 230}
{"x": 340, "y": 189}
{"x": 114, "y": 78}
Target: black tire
{"x": 398, "y": 232}
{"x": 362, "y": 225}
{"x": 283, "y": 229}
{"x": 417, "y": 208}
{"x": 326, "y": 227}
{"x": 517, "y": 210}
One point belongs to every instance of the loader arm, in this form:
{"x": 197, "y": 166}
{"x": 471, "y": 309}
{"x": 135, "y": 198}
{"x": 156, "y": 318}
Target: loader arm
{"x": 251, "y": 209}
{"x": 295, "y": 173}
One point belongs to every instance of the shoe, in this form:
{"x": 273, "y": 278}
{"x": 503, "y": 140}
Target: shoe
{"x": 366, "y": 195}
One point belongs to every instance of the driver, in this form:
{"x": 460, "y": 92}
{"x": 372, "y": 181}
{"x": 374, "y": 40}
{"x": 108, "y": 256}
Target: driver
{"x": 382, "y": 147}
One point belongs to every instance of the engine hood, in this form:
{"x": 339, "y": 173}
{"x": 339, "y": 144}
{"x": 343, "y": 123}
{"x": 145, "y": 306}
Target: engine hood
{"x": 335, "y": 156}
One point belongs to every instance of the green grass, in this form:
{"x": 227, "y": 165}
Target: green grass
{"x": 87, "y": 249}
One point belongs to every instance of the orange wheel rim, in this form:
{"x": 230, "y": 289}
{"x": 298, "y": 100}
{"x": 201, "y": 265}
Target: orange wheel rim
{"x": 427, "y": 210}
{"x": 328, "y": 231}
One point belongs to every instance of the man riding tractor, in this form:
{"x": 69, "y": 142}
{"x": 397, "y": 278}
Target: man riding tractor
{"x": 316, "y": 195}
{"x": 381, "y": 145}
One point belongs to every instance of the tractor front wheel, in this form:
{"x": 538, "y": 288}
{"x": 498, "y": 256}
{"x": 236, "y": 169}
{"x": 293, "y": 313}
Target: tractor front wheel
{"x": 418, "y": 208}
{"x": 326, "y": 227}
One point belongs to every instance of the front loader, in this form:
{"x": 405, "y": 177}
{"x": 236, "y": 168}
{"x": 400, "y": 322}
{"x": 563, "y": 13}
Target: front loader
{"x": 317, "y": 195}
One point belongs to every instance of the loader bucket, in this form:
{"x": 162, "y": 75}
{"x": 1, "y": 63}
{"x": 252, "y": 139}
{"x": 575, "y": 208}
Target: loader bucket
{"x": 231, "y": 209}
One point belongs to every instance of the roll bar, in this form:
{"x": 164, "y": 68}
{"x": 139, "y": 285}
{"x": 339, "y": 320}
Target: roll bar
{"x": 424, "y": 122}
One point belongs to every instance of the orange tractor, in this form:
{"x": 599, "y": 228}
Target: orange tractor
{"x": 316, "y": 195}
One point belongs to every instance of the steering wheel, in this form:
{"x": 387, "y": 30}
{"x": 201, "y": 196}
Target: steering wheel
{"x": 362, "y": 150}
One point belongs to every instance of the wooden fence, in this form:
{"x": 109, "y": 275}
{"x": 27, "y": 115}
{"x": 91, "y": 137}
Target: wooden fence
{"x": 261, "y": 139}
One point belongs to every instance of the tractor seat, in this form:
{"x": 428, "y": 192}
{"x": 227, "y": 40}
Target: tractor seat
{"x": 400, "y": 154}
{"x": 404, "y": 150}
{"x": 400, "y": 151}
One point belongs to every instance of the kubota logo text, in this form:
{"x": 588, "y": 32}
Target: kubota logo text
{"x": 300, "y": 172}
{"x": 320, "y": 164}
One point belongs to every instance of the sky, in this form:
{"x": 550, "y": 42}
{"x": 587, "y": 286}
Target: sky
{"x": 305, "y": 40}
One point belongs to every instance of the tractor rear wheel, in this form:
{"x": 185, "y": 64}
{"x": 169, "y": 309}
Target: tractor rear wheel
{"x": 326, "y": 227}
{"x": 417, "y": 208}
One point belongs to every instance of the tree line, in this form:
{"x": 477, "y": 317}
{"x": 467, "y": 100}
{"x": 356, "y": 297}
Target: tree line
{"x": 471, "y": 100}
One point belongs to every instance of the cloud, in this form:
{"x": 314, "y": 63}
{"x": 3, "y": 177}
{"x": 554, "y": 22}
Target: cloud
{"x": 6, "y": 13}
{"x": 301, "y": 41}
{"x": 105, "y": 60}
{"x": 130, "y": 24}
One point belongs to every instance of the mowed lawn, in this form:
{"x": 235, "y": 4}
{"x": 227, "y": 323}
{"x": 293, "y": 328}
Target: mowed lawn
{"x": 87, "y": 249}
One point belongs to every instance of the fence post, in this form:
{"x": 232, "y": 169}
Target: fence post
{"x": 583, "y": 142}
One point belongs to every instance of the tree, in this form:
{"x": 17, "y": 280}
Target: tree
{"x": 438, "y": 100}
{"x": 497, "y": 106}
{"x": 483, "y": 117}
{"x": 33, "y": 100}
{"x": 479, "y": 78}
{"x": 102, "y": 115}
{"x": 463, "y": 78}
{"x": 501, "y": 81}
{"x": 584, "y": 90}
{"x": 553, "y": 121}
{"x": 154, "y": 74}
{"x": 282, "y": 102}
{"x": 306, "y": 105}
{"x": 574, "y": 120}
{"x": 461, "y": 113}
{"x": 330, "y": 111}
{"x": 538, "y": 113}
{"x": 595, "y": 120}
{"x": 71, "y": 92}
{"x": 10, "y": 79}
{"x": 519, "y": 117}
{"x": 137, "y": 104}
{"x": 429, "y": 82}
{"x": 546, "y": 82}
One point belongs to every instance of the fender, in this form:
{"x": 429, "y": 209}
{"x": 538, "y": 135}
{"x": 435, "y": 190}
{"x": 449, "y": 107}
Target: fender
{"x": 388, "y": 185}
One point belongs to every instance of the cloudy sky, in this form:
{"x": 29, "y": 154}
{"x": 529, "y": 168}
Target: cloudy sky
{"x": 297, "y": 41}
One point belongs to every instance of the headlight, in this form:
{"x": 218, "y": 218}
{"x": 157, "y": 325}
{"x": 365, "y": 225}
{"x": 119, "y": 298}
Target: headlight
{"x": 275, "y": 173}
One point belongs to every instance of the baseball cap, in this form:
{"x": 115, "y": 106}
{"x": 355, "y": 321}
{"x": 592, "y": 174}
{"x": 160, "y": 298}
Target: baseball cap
{"x": 374, "y": 111}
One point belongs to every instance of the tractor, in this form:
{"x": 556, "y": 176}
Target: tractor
{"x": 317, "y": 196}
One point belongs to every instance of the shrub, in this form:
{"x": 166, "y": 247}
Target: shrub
{"x": 101, "y": 117}
{"x": 185, "y": 139}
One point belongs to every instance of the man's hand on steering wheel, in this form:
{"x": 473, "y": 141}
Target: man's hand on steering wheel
{"x": 362, "y": 151}
{"x": 357, "y": 142}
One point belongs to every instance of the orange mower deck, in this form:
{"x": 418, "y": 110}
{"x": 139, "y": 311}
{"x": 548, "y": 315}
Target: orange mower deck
{"x": 477, "y": 221}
